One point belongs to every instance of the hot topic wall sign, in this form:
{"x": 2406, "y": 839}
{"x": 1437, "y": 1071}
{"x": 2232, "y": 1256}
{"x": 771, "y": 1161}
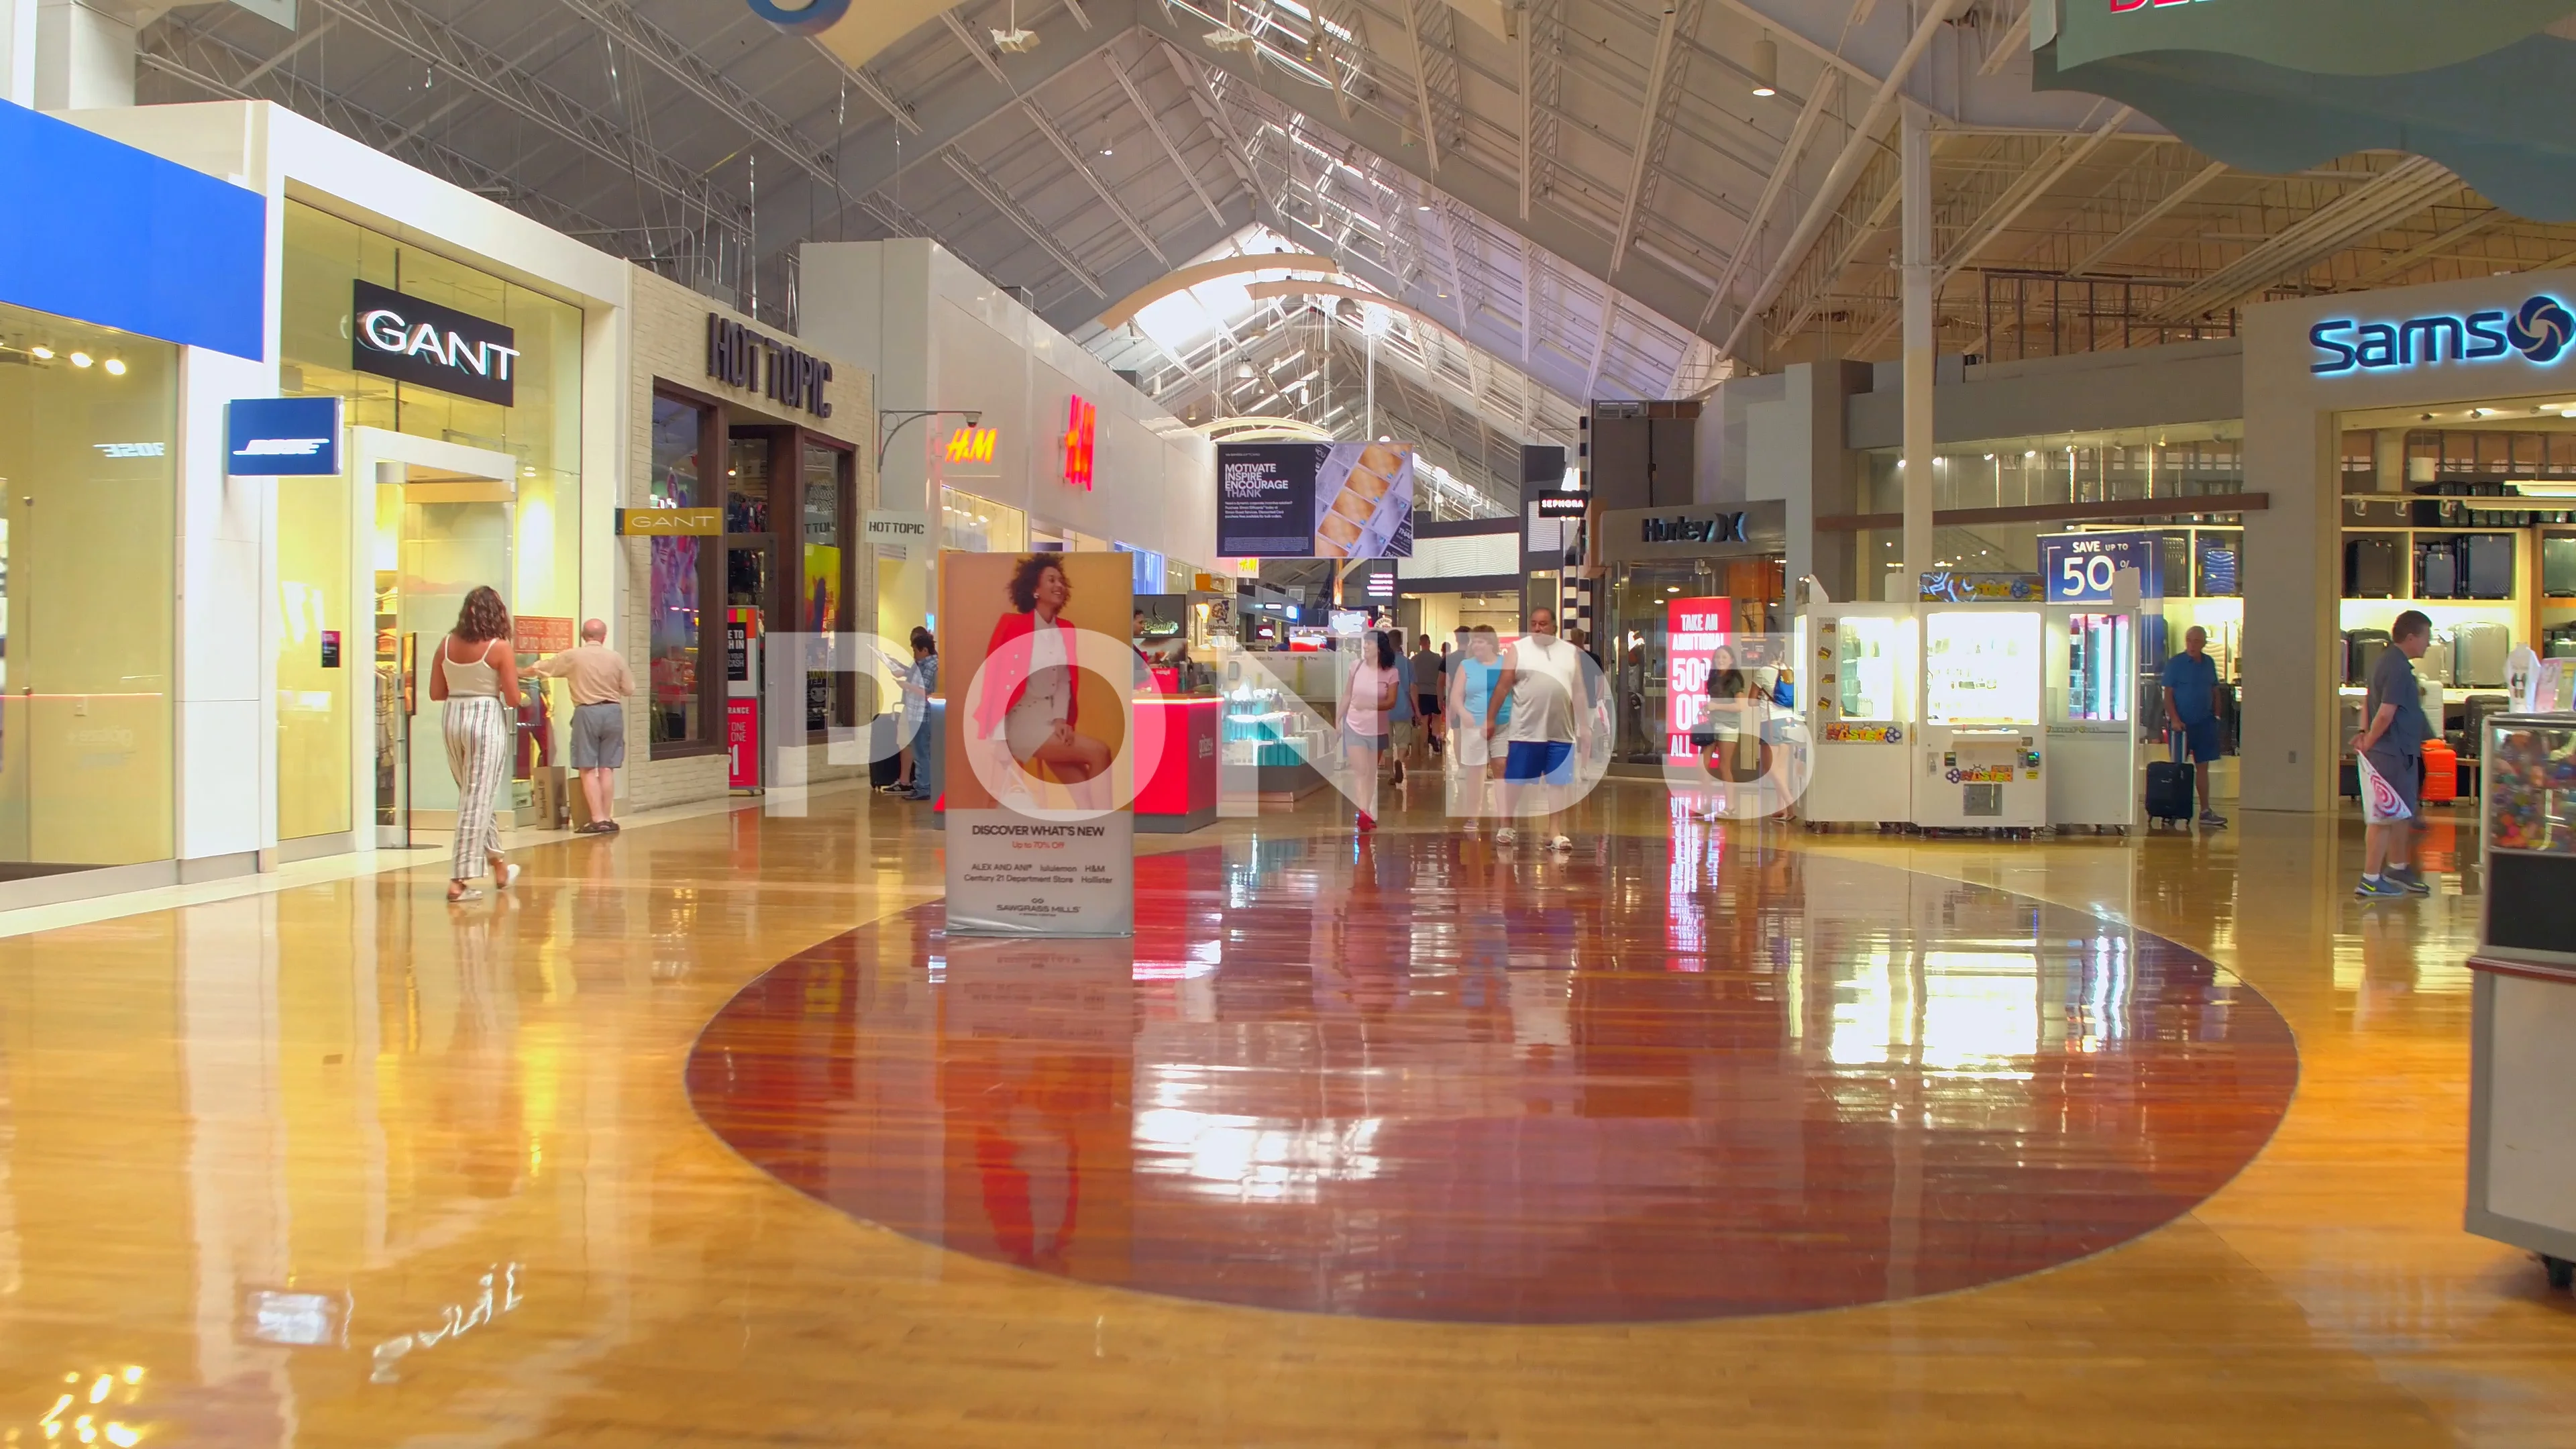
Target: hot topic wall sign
{"x": 409, "y": 340}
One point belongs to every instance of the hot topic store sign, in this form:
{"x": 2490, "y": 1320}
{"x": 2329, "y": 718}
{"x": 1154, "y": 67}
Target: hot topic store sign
{"x": 1694, "y": 630}
{"x": 2539, "y": 331}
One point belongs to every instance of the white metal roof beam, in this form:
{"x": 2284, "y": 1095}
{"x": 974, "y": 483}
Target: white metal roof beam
{"x": 1154, "y": 124}
{"x": 2148, "y": 218}
{"x": 1002, "y": 201}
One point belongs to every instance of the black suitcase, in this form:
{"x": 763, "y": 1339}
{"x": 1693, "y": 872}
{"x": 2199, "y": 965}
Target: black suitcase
{"x": 2487, "y": 571}
{"x": 2169, "y": 791}
{"x": 2437, "y": 570}
{"x": 2371, "y": 569}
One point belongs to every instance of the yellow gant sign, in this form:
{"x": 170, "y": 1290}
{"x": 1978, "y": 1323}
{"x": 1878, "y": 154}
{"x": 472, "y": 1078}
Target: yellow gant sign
{"x": 670, "y": 522}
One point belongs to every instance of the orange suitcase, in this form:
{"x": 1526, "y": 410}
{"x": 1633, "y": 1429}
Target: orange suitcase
{"x": 2441, "y": 772}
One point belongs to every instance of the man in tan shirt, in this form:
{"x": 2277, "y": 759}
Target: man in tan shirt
{"x": 600, "y": 683}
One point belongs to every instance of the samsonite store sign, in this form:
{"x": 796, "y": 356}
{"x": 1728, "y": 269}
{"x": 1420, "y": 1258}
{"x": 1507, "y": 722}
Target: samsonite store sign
{"x": 2539, "y": 330}
{"x": 2478, "y": 338}
{"x": 409, "y": 340}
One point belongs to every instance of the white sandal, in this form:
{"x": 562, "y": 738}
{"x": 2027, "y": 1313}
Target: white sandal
{"x": 470, "y": 893}
{"x": 509, "y": 876}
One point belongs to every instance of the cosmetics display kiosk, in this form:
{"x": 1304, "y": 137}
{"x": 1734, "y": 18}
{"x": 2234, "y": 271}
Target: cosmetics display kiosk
{"x": 1979, "y": 764}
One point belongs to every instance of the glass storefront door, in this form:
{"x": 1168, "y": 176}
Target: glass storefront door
{"x": 444, "y": 521}
{"x": 1734, "y": 603}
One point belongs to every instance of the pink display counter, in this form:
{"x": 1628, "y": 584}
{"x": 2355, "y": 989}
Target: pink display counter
{"x": 1176, "y": 792}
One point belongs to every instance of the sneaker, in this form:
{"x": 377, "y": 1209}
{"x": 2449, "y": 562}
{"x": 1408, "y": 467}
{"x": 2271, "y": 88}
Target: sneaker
{"x": 2212, "y": 820}
{"x": 897, "y": 788}
{"x": 1561, "y": 842}
{"x": 2379, "y": 889}
{"x": 2413, "y": 883}
{"x": 1507, "y": 836}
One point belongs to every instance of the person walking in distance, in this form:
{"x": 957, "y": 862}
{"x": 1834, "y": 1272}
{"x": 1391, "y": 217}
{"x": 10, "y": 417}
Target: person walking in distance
{"x": 1543, "y": 679}
{"x": 2191, "y": 712}
{"x": 1404, "y": 725}
{"x": 1428, "y": 694}
{"x": 1375, "y": 689}
{"x": 600, "y": 684}
{"x": 476, "y": 670}
{"x": 1472, "y": 743}
{"x": 917, "y": 683}
{"x": 2390, "y": 749}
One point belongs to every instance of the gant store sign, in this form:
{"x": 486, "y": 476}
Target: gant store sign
{"x": 409, "y": 340}
{"x": 2539, "y": 330}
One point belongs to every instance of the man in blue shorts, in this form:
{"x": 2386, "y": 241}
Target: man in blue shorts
{"x": 2390, "y": 749}
{"x": 1543, "y": 679}
{"x": 2191, "y": 707}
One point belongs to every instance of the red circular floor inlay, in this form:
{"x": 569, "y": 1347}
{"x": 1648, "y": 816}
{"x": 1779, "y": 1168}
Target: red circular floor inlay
{"x": 1414, "y": 1078}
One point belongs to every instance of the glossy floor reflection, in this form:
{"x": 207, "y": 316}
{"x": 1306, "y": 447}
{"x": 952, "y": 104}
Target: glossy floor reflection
{"x": 1421, "y": 1078}
{"x": 333, "y": 1165}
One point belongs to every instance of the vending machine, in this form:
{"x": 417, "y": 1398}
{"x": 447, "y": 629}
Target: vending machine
{"x": 2092, "y": 738}
{"x": 1861, "y": 712}
{"x": 1979, "y": 761}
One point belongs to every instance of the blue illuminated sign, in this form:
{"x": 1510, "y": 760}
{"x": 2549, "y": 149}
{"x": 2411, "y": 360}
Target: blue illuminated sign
{"x": 282, "y": 437}
{"x": 2081, "y": 568}
{"x": 2540, "y": 331}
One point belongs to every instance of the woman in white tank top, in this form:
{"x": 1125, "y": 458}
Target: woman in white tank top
{"x": 477, "y": 675}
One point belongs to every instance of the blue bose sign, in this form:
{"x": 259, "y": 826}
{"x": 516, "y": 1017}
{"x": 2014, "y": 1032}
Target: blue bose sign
{"x": 2540, "y": 331}
{"x": 282, "y": 437}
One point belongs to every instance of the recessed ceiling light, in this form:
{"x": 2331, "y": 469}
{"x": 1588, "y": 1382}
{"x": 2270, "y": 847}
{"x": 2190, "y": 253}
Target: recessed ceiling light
{"x": 41, "y": 353}
{"x": 80, "y": 359}
{"x": 116, "y": 367}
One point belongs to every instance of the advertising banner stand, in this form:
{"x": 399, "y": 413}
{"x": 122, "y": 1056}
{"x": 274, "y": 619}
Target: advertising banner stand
{"x": 1042, "y": 743}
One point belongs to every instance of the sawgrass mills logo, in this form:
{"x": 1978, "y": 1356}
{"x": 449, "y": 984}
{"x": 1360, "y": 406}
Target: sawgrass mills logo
{"x": 2540, "y": 331}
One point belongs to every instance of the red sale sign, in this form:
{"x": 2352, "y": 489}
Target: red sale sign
{"x": 1695, "y": 629}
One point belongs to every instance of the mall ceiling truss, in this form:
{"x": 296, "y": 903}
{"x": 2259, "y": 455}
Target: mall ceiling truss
{"x": 1589, "y": 193}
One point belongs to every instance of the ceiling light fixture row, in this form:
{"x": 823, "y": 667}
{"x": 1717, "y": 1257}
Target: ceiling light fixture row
{"x": 39, "y": 352}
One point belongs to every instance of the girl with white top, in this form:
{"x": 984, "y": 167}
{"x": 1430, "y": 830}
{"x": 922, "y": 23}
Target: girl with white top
{"x": 1365, "y": 705}
{"x": 478, "y": 669}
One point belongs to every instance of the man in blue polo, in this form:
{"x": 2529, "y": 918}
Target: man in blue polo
{"x": 2191, "y": 707}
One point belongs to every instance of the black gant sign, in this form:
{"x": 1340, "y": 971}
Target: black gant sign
{"x": 409, "y": 340}
{"x": 740, "y": 357}
{"x": 1717, "y": 528}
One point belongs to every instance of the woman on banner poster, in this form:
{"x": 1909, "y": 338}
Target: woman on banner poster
{"x": 1034, "y": 699}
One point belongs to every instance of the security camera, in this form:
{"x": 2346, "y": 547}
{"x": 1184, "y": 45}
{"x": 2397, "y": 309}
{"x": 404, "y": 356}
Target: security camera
{"x": 1016, "y": 41}
{"x": 975, "y": 419}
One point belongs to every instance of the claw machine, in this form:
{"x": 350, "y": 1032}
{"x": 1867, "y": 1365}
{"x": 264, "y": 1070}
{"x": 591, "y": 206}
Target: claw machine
{"x": 2522, "y": 1143}
{"x": 1861, "y": 712}
{"x": 1979, "y": 761}
{"x": 2092, "y": 737}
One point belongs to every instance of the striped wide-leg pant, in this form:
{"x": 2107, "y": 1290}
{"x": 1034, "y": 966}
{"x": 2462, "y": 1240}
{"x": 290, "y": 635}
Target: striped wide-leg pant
{"x": 478, "y": 755}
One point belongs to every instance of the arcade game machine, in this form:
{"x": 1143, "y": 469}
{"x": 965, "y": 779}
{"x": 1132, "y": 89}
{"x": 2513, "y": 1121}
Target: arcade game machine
{"x": 1862, "y": 712}
{"x": 2092, "y": 738}
{"x": 1979, "y": 761}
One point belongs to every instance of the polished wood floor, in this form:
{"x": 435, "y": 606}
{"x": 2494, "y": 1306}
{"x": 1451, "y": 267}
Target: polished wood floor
{"x": 1420, "y": 1077}
{"x": 337, "y": 1165}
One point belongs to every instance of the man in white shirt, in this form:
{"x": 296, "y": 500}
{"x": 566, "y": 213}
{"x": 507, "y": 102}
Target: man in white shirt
{"x": 1543, "y": 678}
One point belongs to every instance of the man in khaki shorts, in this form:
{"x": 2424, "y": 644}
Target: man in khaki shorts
{"x": 600, "y": 683}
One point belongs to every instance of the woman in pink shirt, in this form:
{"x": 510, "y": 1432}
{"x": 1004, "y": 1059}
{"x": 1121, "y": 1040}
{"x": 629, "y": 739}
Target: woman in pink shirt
{"x": 1364, "y": 707}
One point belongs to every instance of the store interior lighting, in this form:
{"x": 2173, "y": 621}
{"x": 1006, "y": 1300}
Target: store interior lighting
{"x": 1766, "y": 67}
{"x": 116, "y": 367}
{"x": 81, "y": 359}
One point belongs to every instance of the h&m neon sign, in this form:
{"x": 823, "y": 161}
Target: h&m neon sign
{"x": 2540, "y": 331}
{"x": 973, "y": 445}
{"x": 1081, "y": 439}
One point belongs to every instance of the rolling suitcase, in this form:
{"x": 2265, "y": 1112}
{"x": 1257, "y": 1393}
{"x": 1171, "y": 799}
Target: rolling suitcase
{"x": 2478, "y": 654}
{"x": 2437, "y": 570}
{"x": 2436, "y": 663}
{"x": 2487, "y": 568}
{"x": 2371, "y": 569}
{"x": 2558, "y": 567}
{"x": 2478, "y": 707}
{"x": 2169, "y": 789}
{"x": 2361, "y": 650}
{"x": 2441, "y": 773}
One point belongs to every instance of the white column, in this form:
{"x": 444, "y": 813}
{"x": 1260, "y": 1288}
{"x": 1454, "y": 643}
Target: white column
{"x": 1916, "y": 199}
{"x": 18, "y": 52}
{"x": 85, "y": 51}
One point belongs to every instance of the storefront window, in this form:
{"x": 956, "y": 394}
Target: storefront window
{"x": 86, "y": 544}
{"x": 513, "y": 525}
{"x": 677, "y": 624}
{"x": 971, "y": 524}
{"x": 822, "y": 590}
{"x": 1736, "y": 603}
